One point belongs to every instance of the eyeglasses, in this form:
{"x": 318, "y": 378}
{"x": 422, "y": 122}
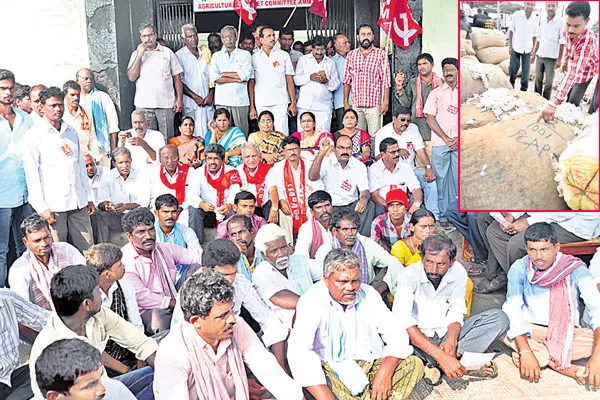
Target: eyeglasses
{"x": 449, "y": 69}
{"x": 306, "y": 121}
{"x": 229, "y": 36}
{"x": 404, "y": 119}
{"x": 265, "y": 121}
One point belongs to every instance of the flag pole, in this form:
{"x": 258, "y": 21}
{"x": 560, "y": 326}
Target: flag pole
{"x": 291, "y": 14}
{"x": 387, "y": 43}
{"x": 239, "y": 33}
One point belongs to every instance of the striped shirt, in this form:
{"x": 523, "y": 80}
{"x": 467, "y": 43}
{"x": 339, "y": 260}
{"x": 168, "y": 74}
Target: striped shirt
{"x": 582, "y": 54}
{"x": 368, "y": 75}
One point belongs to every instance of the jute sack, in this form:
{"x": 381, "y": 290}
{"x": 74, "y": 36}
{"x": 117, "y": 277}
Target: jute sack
{"x": 493, "y": 55}
{"x": 467, "y": 46}
{"x": 463, "y": 34}
{"x": 505, "y": 65}
{"x": 508, "y": 165}
{"x": 484, "y": 38}
{"x": 472, "y": 81}
{"x": 471, "y": 58}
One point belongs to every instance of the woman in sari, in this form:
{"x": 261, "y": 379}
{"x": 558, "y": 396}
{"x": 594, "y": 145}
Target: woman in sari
{"x": 309, "y": 137}
{"x": 231, "y": 138}
{"x": 267, "y": 139}
{"x": 189, "y": 147}
{"x": 361, "y": 141}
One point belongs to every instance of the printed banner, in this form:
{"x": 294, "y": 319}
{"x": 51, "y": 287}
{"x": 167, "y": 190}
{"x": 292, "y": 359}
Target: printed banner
{"x": 228, "y": 5}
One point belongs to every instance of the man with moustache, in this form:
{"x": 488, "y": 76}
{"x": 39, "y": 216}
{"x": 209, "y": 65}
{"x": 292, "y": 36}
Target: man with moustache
{"x": 441, "y": 110}
{"x": 314, "y": 232}
{"x": 150, "y": 269}
{"x": 345, "y": 178}
{"x": 246, "y": 43}
{"x": 341, "y": 44}
{"x": 522, "y": 35}
{"x": 286, "y": 40}
{"x": 373, "y": 362}
{"x": 242, "y": 233}
{"x": 542, "y": 304}
{"x": 36, "y": 105}
{"x": 80, "y": 120}
{"x": 430, "y": 303}
{"x": 143, "y": 143}
{"x": 367, "y": 73}
{"x": 156, "y": 71}
{"x": 244, "y": 203}
{"x": 581, "y": 61}
{"x": 168, "y": 230}
{"x": 548, "y": 49}
{"x": 22, "y": 99}
{"x": 198, "y": 99}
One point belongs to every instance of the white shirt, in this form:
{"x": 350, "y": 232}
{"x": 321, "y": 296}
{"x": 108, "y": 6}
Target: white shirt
{"x": 305, "y": 238}
{"x": 551, "y": 37}
{"x": 380, "y": 178}
{"x": 139, "y": 157}
{"x": 190, "y": 237}
{"x": 410, "y": 140}
{"x": 159, "y": 188}
{"x": 87, "y": 137}
{"x": 54, "y": 168}
{"x": 134, "y": 189}
{"x": 417, "y": 302}
{"x": 278, "y": 176}
{"x": 201, "y": 190}
{"x": 112, "y": 119}
{"x": 308, "y": 342}
{"x": 19, "y": 275}
{"x": 314, "y": 95}
{"x": 585, "y": 225}
{"x": 343, "y": 184}
{"x": 251, "y": 187}
{"x": 130, "y": 302}
{"x": 524, "y": 30}
{"x": 154, "y": 86}
{"x": 233, "y": 94}
{"x": 270, "y": 74}
{"x": 195, "y": 75}
{"x": 95, "y": 181}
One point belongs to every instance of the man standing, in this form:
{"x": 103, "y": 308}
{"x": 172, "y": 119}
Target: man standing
{"x": 581, "y": 61}
{"x": 318, "y": 79}
{"x": 367, "y": 73}
{"x": 103, "y": 111}
{"x": 272, "y": 85}
{"x": 441, "y": 109}
{"x": 22, "y": 99}
{"x": 464, "y": 24}
{"x": 286, "y": 40}
{"x": 195, "y": 79}
{"x": 257, "y": 180}
{"x": 58, "y": 185}
{"x": 341, "y": 45}
{"x": 230, "y": 70}
{"x": 36, "y": 104}
{"x": 13, "y": 187}
{"x": 315, "y": 232}
{"x": 156, "y": 70}
{"x": 548, "y": 49}
{"x": 522, "y": 35}
{"x": 80, "y": 120}
{"x": 143, "y": 143}
{"x": 168, "y": 230}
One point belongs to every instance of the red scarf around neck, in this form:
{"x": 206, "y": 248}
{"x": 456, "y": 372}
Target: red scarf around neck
{"x": 223, "y": 181}
{"x": 258, "y": 179}
{"x": 435, "y": 82}
{"x": 297, "y": 200}
{"x": 179, "y": 185}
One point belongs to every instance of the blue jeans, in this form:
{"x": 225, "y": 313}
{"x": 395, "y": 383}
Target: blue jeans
{"x": 466, "y": 223}
{"x": 444, "y": 161}
{"x": 10, "y": 220}
{"x": 519, "y": 60}
{"x": 139, "y": 382}
{"x": 430, "y": 193}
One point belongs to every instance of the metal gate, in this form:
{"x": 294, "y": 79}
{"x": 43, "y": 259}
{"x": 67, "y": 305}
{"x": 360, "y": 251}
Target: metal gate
{"x": 340, "y": 20}
{"x": 171, "y": 15}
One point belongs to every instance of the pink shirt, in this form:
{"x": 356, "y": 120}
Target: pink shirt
{"x": 142, "y": 278}
{"x": 442, "y": 103}
{"x": 173, "y": 377}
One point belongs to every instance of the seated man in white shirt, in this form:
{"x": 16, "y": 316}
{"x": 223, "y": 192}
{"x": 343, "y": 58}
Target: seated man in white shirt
{"x": 282, "y": 278}
{"x": 122, "y": 189}
{"x": 168, "y": 230}
{"x": 542, "y": 304}
{"x": 345, "y": 178}
{"x": 192, "y": 357}
{"x": 242, "y": 234}
{"x": 373, "y": 362}
{"x": 117, "y": 296}
{"x": 143, "y": 143}
{"x": 389, "y": 173}
{"x": 410, "y": 143}
{"x": 30, "y": 274}
{"x": 430, "y": 302}
{"x": 374, "y": 260}
{"x": 214, "y": 186}
{"x": 314, "y": 232}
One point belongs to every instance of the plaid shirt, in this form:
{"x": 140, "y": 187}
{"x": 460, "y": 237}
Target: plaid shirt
{"x": 583, "y": 56}
{"x": 367, "y": 75}
{"x": 384, "y": 232}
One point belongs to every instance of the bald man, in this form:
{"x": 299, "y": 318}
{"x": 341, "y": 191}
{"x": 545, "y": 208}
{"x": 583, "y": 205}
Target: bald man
{"x": 104, "y": 113}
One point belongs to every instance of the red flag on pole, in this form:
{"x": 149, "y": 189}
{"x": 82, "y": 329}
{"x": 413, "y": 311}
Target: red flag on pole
{"x": 246, "y": 9}
{"x": 319, "y": 8}
{"x": 397, "y": 20}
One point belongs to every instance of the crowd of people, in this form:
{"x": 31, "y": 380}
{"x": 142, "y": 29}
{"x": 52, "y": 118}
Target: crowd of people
{"x": 326, "y": 277}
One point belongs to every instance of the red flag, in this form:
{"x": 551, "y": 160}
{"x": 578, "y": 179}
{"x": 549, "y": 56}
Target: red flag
{"x": 319, "y": 8}
{"x": 397, "y": 19}
{"x": 246, "y": 9}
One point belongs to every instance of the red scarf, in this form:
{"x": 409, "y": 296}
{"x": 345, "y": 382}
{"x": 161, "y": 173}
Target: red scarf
{"x": 179, "y": 185}
{"x": 435, "y": 82}
{"x": 297, "y": 204}
{"x": 258, "y": 179}
{"x": 222, "y": 182}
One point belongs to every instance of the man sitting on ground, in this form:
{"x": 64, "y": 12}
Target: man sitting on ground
{"x": 394, "y": 225}
{"x": 374, "y": 362}
{"x": 94, "y": 173}
{"x": 167, "y": 229}
{"x": 30, "y": 274}
{"x": 314, "y": 232}
{"x": 193, "y": 356}
{"x": 244, "y": 203}
{"x": 242, "y": 233}
{"x": 143, "y": 143}
{"x": 542, "y": 303}
{"x": 374, "y": 260}
{"x": 430, "y": 300}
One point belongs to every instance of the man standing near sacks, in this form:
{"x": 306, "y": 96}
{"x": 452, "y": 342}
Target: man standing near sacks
{"x": 522, "y": 36}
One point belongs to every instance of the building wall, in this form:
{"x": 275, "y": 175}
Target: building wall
{"x": 47, "y": 41}
{"x": 440, "y": 31}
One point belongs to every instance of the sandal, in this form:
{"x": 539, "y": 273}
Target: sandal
{"x": 432, "y": 376}
{"x": 479, "y": 374}
{"x": 487, "y": 286}
{"x": 476, "y": 269}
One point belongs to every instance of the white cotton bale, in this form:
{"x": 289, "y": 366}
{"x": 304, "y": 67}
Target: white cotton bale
{"x": 477, "y": 78}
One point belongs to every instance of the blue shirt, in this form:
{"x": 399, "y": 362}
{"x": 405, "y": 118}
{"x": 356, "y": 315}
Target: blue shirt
{"x": 243, "y": 264}
{"x": 13, "y": 187}
{"x": 338, "y": 95}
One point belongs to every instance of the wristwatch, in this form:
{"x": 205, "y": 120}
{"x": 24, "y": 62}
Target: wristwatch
{"x": 428, "y": 166}
{"x": 276, "y": 209}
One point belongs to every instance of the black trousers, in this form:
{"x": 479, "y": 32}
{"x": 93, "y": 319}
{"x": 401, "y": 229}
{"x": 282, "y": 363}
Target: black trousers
{"x": 21, "y": 385}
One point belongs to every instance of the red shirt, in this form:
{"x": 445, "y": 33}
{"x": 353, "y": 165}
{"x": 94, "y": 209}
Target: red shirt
{"x": 368, "y": 75}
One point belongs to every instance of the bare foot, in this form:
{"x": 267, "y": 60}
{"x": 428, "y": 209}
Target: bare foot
{"x": 574, "y": 371}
